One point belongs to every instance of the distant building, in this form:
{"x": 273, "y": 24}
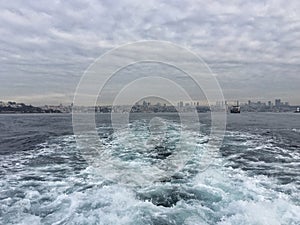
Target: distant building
{"x": 269, "y": 104}
{"x": 277, "y": 102}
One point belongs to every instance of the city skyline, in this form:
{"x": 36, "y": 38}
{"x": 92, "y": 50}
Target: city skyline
{"x": 149, "y": 106}
{"x": 272, "y": 102}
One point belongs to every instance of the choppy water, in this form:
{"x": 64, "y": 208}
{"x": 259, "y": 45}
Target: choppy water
{"x": 254, "y": 180}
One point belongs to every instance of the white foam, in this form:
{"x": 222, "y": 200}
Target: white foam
{"x": 246, "y": 200}
{"x": 217, "y": 195}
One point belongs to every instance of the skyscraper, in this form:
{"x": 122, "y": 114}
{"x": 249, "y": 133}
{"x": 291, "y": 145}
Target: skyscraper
{"x": 269, "y": 104}
{"x": 277, "y": 102}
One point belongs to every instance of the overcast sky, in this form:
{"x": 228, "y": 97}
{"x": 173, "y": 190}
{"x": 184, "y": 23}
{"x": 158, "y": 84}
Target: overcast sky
{"x": 253, "y": 47}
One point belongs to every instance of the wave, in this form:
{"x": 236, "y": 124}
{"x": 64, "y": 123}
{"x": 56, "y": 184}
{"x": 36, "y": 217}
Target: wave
{"x": 54, "y": 184}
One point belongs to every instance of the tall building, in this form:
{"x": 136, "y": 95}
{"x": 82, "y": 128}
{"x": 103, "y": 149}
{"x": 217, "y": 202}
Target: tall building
{"x": 277, "y": 102}
{"x": 269, "y": 104}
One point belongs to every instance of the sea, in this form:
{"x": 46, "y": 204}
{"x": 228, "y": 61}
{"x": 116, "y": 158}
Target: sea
{"x": 46, "y": 178}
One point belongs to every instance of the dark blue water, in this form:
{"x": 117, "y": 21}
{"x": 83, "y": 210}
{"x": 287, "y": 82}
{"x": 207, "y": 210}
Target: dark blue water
{"x": 255, "y": 179}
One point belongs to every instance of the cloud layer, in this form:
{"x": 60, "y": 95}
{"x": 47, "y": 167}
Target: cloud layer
{"x": 252, "y": 46}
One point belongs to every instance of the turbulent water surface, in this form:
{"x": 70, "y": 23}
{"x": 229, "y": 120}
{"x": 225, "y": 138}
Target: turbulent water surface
{"x": 254, "y": 178}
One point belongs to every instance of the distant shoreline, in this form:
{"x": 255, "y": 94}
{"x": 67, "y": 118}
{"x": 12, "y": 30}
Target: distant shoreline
{"x": 21, "y": 108}
{"x": 97, "y": 113}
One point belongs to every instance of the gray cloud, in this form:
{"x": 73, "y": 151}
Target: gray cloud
{"x": 252, "y": 46}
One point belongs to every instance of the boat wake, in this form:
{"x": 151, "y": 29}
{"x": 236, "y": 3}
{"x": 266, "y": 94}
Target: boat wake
{"x": 53, "y": 183}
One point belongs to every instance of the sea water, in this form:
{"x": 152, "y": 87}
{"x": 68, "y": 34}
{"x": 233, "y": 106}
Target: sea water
{"x": 254, "y": 178}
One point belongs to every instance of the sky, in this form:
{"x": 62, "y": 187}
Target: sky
{"x": 252, "y": 47}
